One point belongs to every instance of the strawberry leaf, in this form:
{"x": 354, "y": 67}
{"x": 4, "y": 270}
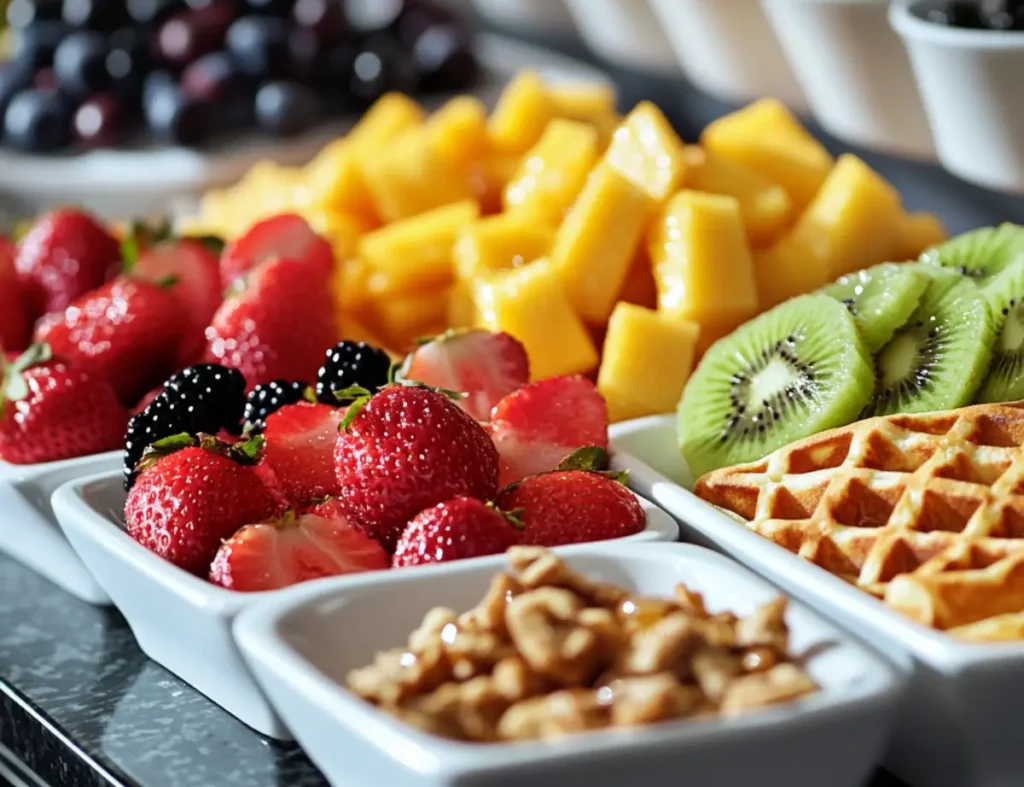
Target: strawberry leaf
{"x": 162, "y": 448}
{"x": 247, "y": 452}
{"x": 351, "y": 394}
{"x": 309, "y": 394}
{"x": 168, "y": 281}
{"x": 453, "y": 395}
{"x": 513, "y": 517}
{"x": 592, "y": 458}
{"x": 212, "y": 242}
{"x": 13, "y": 385}
{"x": 354, "y": 409}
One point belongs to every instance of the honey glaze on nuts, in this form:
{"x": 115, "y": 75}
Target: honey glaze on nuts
{"x": 549, "y": 653}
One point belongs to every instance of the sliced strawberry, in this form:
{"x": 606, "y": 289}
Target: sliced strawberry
{"x": 485, "y": 366}
{"x": 539, "y": 425}
{"x": 297, "y": 548}
{"x": 300, "y": 440}
{"x": 287, "y": 236}
{"x": 192, "y": 272}
{"x": 15, "y": 321}
{"x": 144, "y": 402}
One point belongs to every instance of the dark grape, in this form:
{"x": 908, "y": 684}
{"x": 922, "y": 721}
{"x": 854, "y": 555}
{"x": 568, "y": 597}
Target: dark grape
{"x": 191, "y": 34}
{"x": 325, "y": 18}
{"x": 22, "y": 14}
{"x": 152, "y": 12}
{"x": 417, "y": 17}
{"x": 34, "y": 46}
{"x": 174, "y": 117}
{"x": 274, "y": 7}
{"x": 373, "y": 16}
{"x": 214, "y": 80}
{"x": 37, "y": 121}
{"x": 286, "y": 108}
{"x": 14, "y": 77}
{"x": 94, "y": 14}
{"x": 80, "y": 63}
{"x": 259, "y": 45}
{"x": 953, "y": 13}
{"x": 128, "y": 60}
{"x": 99, "y": 122}
{"x": 444, "y": 59}
{"x": 377, "y": 68}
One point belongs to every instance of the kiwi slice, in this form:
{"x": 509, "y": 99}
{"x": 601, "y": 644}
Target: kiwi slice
{"x": 881, "y": 299}
{"x": 981, "y": 253}
{"x": 1005, "y": 294}
{"x": 937, "y": 360}
{"x": 795, "y": 370}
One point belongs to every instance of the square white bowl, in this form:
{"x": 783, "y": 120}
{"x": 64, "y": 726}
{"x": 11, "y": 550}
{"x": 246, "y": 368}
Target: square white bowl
{"x": 625, "y": 33}
{"x": 957, "y": 724}
{"x": 28, "y": 527}
{"x": 181, "y": 621}
{"x": 300, "y": 646}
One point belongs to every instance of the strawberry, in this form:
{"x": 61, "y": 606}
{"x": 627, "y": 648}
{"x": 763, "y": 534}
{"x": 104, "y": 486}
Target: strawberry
{"x": 406, "y": 449}
{"x": 62, "y": 257}
{"x": 300, "y": 441}
{"x": 536, "y": 427}
{"x": 191, "y": 496}
{"x": 279, "y": 325}
{"x": 485, "y": 366}
{"x": 51, "y": 409}
{"x": 127, "y": 331}
{"x": 15, "y": 326}
{"x": 572, "y": 507}
{"x": 456, "y": 529}
{"x": 192, "y": 271}
{"x": 286, "y": 236}
{"x": 297, "y": 547}
{"x": 145, "y": 401}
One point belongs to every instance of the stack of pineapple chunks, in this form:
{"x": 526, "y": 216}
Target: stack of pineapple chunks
{"x": 604, "y": 244}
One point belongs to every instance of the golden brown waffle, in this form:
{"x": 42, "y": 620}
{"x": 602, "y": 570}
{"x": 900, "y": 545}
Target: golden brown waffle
{"x": 924, "y": 511}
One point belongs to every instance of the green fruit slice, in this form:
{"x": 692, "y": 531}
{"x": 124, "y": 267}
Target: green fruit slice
{"x": 938, "y": 359}
{"x": 881, "y": 299}
{"x": 795, "y": 370}
{"x": 981, "y": 253}
{"x": 1005, "y": 294}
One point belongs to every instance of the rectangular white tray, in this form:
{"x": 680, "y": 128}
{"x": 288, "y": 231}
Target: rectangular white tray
{"x": 958, "y": 723}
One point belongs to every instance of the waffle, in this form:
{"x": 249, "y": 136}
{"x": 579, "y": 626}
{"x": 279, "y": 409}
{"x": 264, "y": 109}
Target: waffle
{"x": 925, "y": 512}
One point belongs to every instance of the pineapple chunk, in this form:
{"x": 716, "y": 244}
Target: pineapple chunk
{"x": 530, "y": 304}
{"x": 521, "y": 114}
{"x": 461, "y": 309}
{"x": 488, "y": 177}
{"x": 702, "y": 263}
{"x": 766, "y": 138}
{"x": 552, "y": 173}
{"x": 786, "y": 269}
{"x": 335, "y": 181}
{"x": 586, "y": 102}
{"x": 921, "y": 231}
{"x": 766, "y": 207}
{"x": 855, "y": 221}
{"x": 415, "y": 253}
{"x": 353, "y": 329}
{"x": 390, "y": 116}
{"x": 405, "y": 317}
{"x": 459, "y": 130}
{"x": 640, "y": 288}
{"x": 341, "y": 229}
{"x": 351, "y": 284}
{"x": 498, "y": 242}
{"x": 646, "y": 362}
{"x": 646, "y": 150}
{"x": 596, "y": 243}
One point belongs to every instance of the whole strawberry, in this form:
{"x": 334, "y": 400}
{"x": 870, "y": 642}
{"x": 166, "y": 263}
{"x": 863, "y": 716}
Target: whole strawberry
{"x": 63, "y": 256}
{"x": 277, "y": 326}
{"x": 572, "y": 507}
{"x": 404, "y": 450}
{"x": 51, "y": 409}
{"x": 127, "y": 331}
{"x": 193, "y": 495}
{"x": 456, "y": 529}
{"x": 15, "y": 320}
{"x": 286, "y": 235}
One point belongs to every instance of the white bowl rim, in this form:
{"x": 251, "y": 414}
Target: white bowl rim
{"x": 912, "y": 27}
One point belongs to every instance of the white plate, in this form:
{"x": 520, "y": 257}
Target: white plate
{"x": 625, "y": 32}
{"x": 958, "y": 723}
{"x": 181, "y": 621}
{"x": 537, "y": 16}
{"x": 302, "y": 643}
{"x": 28, "y": 528}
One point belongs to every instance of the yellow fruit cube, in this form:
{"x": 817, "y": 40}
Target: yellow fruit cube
{"x": 530, "y": 304}
{"x": 921, "y": 231}
{"x": 588, "y": 102}
{"x": 552, "y": 173}
{"x": 489, "y": 175}
{"x": 596, "y": 243}
{"x": 702, "y": 263}
{"x": 351, "y": 284}
{"x": 788, "y": 268}
{"x": 498, "y": 242}
{"x": 640, "y": 288}
{"x": 406, "y": 317}
{"x": 461, "y": 310}
{"x": 415, "y": 253}
{"x": 335, "y": 181}
{"x": 766, "y": 138}
{"x": 766, "y": 207}
{"x": 854, "y": 222}
{"x": 354, "y": 329}
{"x": 646, "y": 150}
{"x": 459, "y": 130}
{"x": 646, "y": 362}
{"x": 521, "y": 114}
{"x": 390, "y": 116}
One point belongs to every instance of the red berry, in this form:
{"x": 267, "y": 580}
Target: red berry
{"x": 299, "y": 458}
{"x": 185, "y": 504}
{"x": 65, "y": 255}
{"x": 15, "y": 325}
{"x": 279, "y": 326}
{"x": 299, "y": 547}
{"x": 51, "y": 409}
{"x": 572, "y": 507}
{"x": 456, "y": 529}
{"x": 486, "y": 366}
{"x": 409, "y": 449}
{"x": 126, "y": 331}
{"x": 539, "y": 425}
{"x": 286, "y": 236}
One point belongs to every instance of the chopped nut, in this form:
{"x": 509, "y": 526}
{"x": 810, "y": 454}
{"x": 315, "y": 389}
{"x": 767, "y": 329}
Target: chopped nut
{"x": 515, "y": 681}
{"x": 651, "y": 698}
{"x": 782, "y": 683}
{"x": 489, "y": 614}
{"x": 396, "y": 674}
{"x": 715, "y": 668}
{"x": 661, "y": 647}
{"x": 766, "y": 627}
{"x": 691, "y": 601}
{"x": 539, "y": 568}
{"x": 759, "y": 659}
{"x": 554, "y": 715}
{"x": 430, "y": 629}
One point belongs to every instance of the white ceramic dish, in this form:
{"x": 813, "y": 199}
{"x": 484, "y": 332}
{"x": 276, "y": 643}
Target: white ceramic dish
{"x": 855, "y": 72}
{"x": 301, "y": 644}
{"x": 727, "y": 49}
{"x": 956, "y": 725}
{"x": 970, "y": 83}
{"x": 179, "y": 620}
{"x": 625, "y": 33}
{"x": 28, "y": 528}
{"x": 537, "y": 16}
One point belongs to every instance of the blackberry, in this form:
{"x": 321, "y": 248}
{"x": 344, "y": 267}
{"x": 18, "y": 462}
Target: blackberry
{"x": 350, "y": 364}
{"x": 206, "y": 398}
{"x": 264, "y": 400}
